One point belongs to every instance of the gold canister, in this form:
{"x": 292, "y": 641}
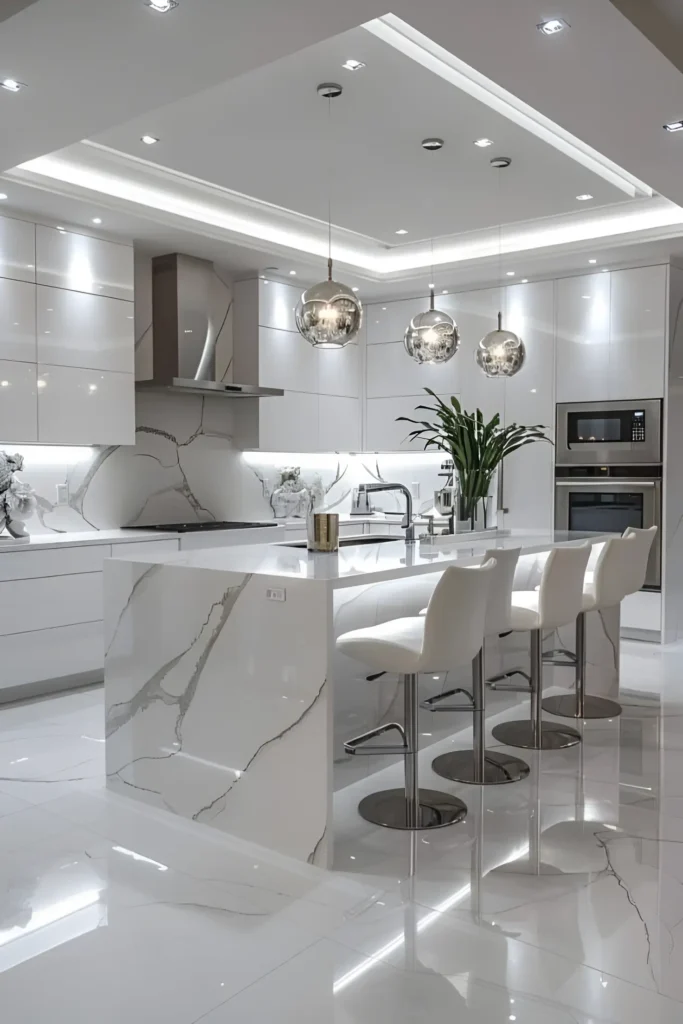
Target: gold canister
{"x": 323, "y": 531}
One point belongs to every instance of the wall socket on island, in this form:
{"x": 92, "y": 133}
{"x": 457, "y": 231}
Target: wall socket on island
{"x": 415, "y": 488}
{"x": 62, "y": 494}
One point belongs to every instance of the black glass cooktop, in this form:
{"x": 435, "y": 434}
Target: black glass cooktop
{"x": 197, "y": 527}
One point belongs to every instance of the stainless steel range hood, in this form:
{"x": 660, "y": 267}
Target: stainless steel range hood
{"x": 186, "y": 328}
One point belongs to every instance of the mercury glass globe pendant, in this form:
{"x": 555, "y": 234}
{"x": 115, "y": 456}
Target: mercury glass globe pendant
{"x": 329, "y": 315}
{"x": 433, "y": 336}
{"x": 500, "y": 353}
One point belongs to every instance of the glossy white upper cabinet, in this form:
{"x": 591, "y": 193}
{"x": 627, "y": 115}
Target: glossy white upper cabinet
{"x": 391, "y": 372}
{"x": 638, "y": 333}
{"x": 583, "y": 338}
{"x": 18, "y": 402}
{"x": 530, "y": 394}
{"x": 84, "y": 264}
{"x": 387, "y": 321}
{"x": 17, "y": 249}
{"x": 277, "y": 302}
{"x": 384, "y": 433}
{"x": 339, "y": 424}
{"x": 287, "y": 361}
{"x": 287, "y": 424}
{"x": 338, "y": 370}
{"x": 80, "y": 406}
{"x": 17, "y": 320}
{"x": 90, "y": 331}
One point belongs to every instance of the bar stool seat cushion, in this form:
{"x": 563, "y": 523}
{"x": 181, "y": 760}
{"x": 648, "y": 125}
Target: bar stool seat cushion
{"x": 525, "y": 614}
{"x": 394, "y": 646}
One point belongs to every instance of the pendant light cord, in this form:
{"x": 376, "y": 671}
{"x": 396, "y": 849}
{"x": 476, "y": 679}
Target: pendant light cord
{"x": 329, "y": 188}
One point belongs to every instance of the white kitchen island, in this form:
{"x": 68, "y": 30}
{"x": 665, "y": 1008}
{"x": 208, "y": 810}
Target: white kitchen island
{"x": 227, "y": 703}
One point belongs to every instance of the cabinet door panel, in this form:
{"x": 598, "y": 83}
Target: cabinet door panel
{"x": 339, "y": 426}
{"x": 287, "y": 361}
{"x": 583, "y": 328}
{"x": 388, "y": 321}
{"x": 476, "y": 314}
{"x": 81, "y": 263}
{"x": 17, "y": 249}
{"x": 277, "y": 302}
{"x": 91, "y": 331}
{"x": 638, "y": 333}
{"x": 289, "y": 424}
{"x": 530, "y": 394}
{"x": 339, "y": 371}
{"x": 383, "y": 433}
{"x": 45, "y": 603}
{"x": 24, "y": 564}
{"x": 51, "y": 654}
{"x": 86, "y": 407}
{"x": 18, "y": 402}
{"x": 17, "y": 321}
{"x": 392, "y": 373}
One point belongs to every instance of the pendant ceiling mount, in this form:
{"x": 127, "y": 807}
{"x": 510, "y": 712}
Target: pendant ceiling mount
{"x": 329, "y": 315}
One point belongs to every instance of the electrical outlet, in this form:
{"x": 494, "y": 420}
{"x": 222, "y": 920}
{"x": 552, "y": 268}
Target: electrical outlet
{"x": 276, "y": 594}
{"x": 415, "y": 489}
{"x": 62, "y": 494}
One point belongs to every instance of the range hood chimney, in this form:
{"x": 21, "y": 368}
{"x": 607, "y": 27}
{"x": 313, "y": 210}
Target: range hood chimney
{"x": 185, "y": 332}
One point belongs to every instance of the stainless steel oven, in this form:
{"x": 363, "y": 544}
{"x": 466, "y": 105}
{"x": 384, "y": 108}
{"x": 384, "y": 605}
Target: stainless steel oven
{"x": 607, "y": 499}
{"x": 609, "y": 433}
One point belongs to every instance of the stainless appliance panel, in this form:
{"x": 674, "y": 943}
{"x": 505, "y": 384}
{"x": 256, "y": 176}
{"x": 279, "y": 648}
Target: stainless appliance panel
{"x": 594, "y": 504}
{"x": 624, "y": 433}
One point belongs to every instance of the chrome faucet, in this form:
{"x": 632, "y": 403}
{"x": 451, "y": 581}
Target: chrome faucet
{"x": 407, "y": 523}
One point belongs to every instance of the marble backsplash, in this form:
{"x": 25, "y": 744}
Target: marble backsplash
{"x": 184, "y": 467}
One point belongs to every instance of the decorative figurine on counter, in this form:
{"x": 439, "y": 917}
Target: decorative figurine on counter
{"x": 17, "y": 500}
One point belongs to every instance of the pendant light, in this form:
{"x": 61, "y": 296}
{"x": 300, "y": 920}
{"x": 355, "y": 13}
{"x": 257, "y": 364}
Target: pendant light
{"x": 500, "y": 353}
{"x": 329, "y": 315}
{"x": 431, "y": 337}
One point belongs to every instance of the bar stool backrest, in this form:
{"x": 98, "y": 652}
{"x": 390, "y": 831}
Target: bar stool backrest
{"x": 642, "y": 541}
{"x": 611, "y": 576}
{"x": 561, "y": 590}
{"x": 455, "y": 619}
{"x": 498, "y": 607}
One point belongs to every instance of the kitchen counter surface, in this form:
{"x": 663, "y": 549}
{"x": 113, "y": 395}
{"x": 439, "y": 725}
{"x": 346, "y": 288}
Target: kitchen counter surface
{"x": 363, "y": 563}
{"x": 44, "y": 541}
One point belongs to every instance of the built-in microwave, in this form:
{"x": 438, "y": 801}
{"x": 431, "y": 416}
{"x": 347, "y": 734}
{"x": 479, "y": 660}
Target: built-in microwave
{"x": 609, "y": 433}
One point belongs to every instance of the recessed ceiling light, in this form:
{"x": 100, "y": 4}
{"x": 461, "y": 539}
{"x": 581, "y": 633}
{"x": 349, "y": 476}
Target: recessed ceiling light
{"x": 353, "y": 65}
{"x": 97, "y": 220}
{"x": 11, "y": 85}
{"x": 292, "y": 273}
{"x": 584, "y": 196}
{"x": 674, "y": 126}
{"x": 510, "y": 273}
{"x": 483, "y": 143}
{"x": 445, "y": 291}
{"x": 149, "y": 140}
{"x": 432, "y": 144}
{"x": 592, "y": 261}
{"x": 605, "y": 269}
{"x": 431, "y": 284}
{"x": 162, "y": 6}
{"x": 552, "y": 26}
{"x": 401, "y": 231}
{"x": 525, "y": 280}
{"x": 3, "y": 195}
{"x": 354, "y": 289}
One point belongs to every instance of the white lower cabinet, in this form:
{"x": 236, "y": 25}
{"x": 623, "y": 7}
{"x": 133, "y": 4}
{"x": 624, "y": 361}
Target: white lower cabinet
{"x": 642, "y": 612}
{"x": 47, "y": 655}
{"x": 29, "y": 605}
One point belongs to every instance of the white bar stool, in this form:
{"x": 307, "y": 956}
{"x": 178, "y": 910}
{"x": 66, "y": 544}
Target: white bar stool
{"x": 480, "y": 766}
{"x": 556, "y": 602}
{"x": 602, "y": 588}
{"x": 449, "y": 635}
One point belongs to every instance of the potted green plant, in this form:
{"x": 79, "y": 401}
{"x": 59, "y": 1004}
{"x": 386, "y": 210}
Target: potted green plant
{"x": 476, "y": 448}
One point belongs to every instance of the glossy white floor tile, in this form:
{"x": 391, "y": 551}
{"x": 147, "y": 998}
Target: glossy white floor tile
{"x": 558, "y": 901}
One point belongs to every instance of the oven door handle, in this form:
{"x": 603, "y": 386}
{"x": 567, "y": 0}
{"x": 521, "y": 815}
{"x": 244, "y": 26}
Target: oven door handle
{"x": 635, "y": 486}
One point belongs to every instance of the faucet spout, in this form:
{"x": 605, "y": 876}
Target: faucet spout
{"x": 407, "y": 523}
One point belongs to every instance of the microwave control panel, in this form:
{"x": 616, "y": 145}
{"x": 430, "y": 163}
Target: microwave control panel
{"x": 638, "y": 426}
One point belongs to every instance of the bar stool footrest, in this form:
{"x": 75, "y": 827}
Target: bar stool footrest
{"x": 502, "y": 681}
{"x": 434, "y": 703}
{"x": 360, "y": 744}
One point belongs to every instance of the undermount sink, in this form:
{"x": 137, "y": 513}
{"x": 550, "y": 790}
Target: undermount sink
{"x": 344, "y": 542}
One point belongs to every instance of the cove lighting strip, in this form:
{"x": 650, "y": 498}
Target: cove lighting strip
{"x": 439, "y": 61}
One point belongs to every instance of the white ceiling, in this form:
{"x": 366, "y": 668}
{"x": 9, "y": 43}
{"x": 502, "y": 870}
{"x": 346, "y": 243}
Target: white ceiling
{"x": 268, "y": 135}
{"x": 91, "y": 65}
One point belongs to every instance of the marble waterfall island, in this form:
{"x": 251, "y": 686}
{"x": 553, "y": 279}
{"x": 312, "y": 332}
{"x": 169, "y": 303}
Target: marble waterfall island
{"x": 227, "y": 704}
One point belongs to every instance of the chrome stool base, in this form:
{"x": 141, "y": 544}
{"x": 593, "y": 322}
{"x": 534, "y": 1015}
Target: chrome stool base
{"x": 461, "y": 766}
{"x": 391, "y": 809}
{"x": 567, "y": 706}
{"x": 522, "y": 734}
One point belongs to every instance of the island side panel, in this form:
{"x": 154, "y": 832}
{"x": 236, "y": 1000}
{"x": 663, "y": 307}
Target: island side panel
{"x": 217, "y": 700}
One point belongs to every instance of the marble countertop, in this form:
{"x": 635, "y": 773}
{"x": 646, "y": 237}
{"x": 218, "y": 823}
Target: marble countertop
{"x": 363, "y": 563}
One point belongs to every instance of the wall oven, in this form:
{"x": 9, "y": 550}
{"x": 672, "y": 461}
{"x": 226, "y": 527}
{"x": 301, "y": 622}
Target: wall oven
{"x": 609, "y": 433}
{"x": 607, "y": 499}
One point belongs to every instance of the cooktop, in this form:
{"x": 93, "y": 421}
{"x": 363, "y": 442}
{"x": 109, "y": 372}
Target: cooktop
{"x": 197, "y": 527}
